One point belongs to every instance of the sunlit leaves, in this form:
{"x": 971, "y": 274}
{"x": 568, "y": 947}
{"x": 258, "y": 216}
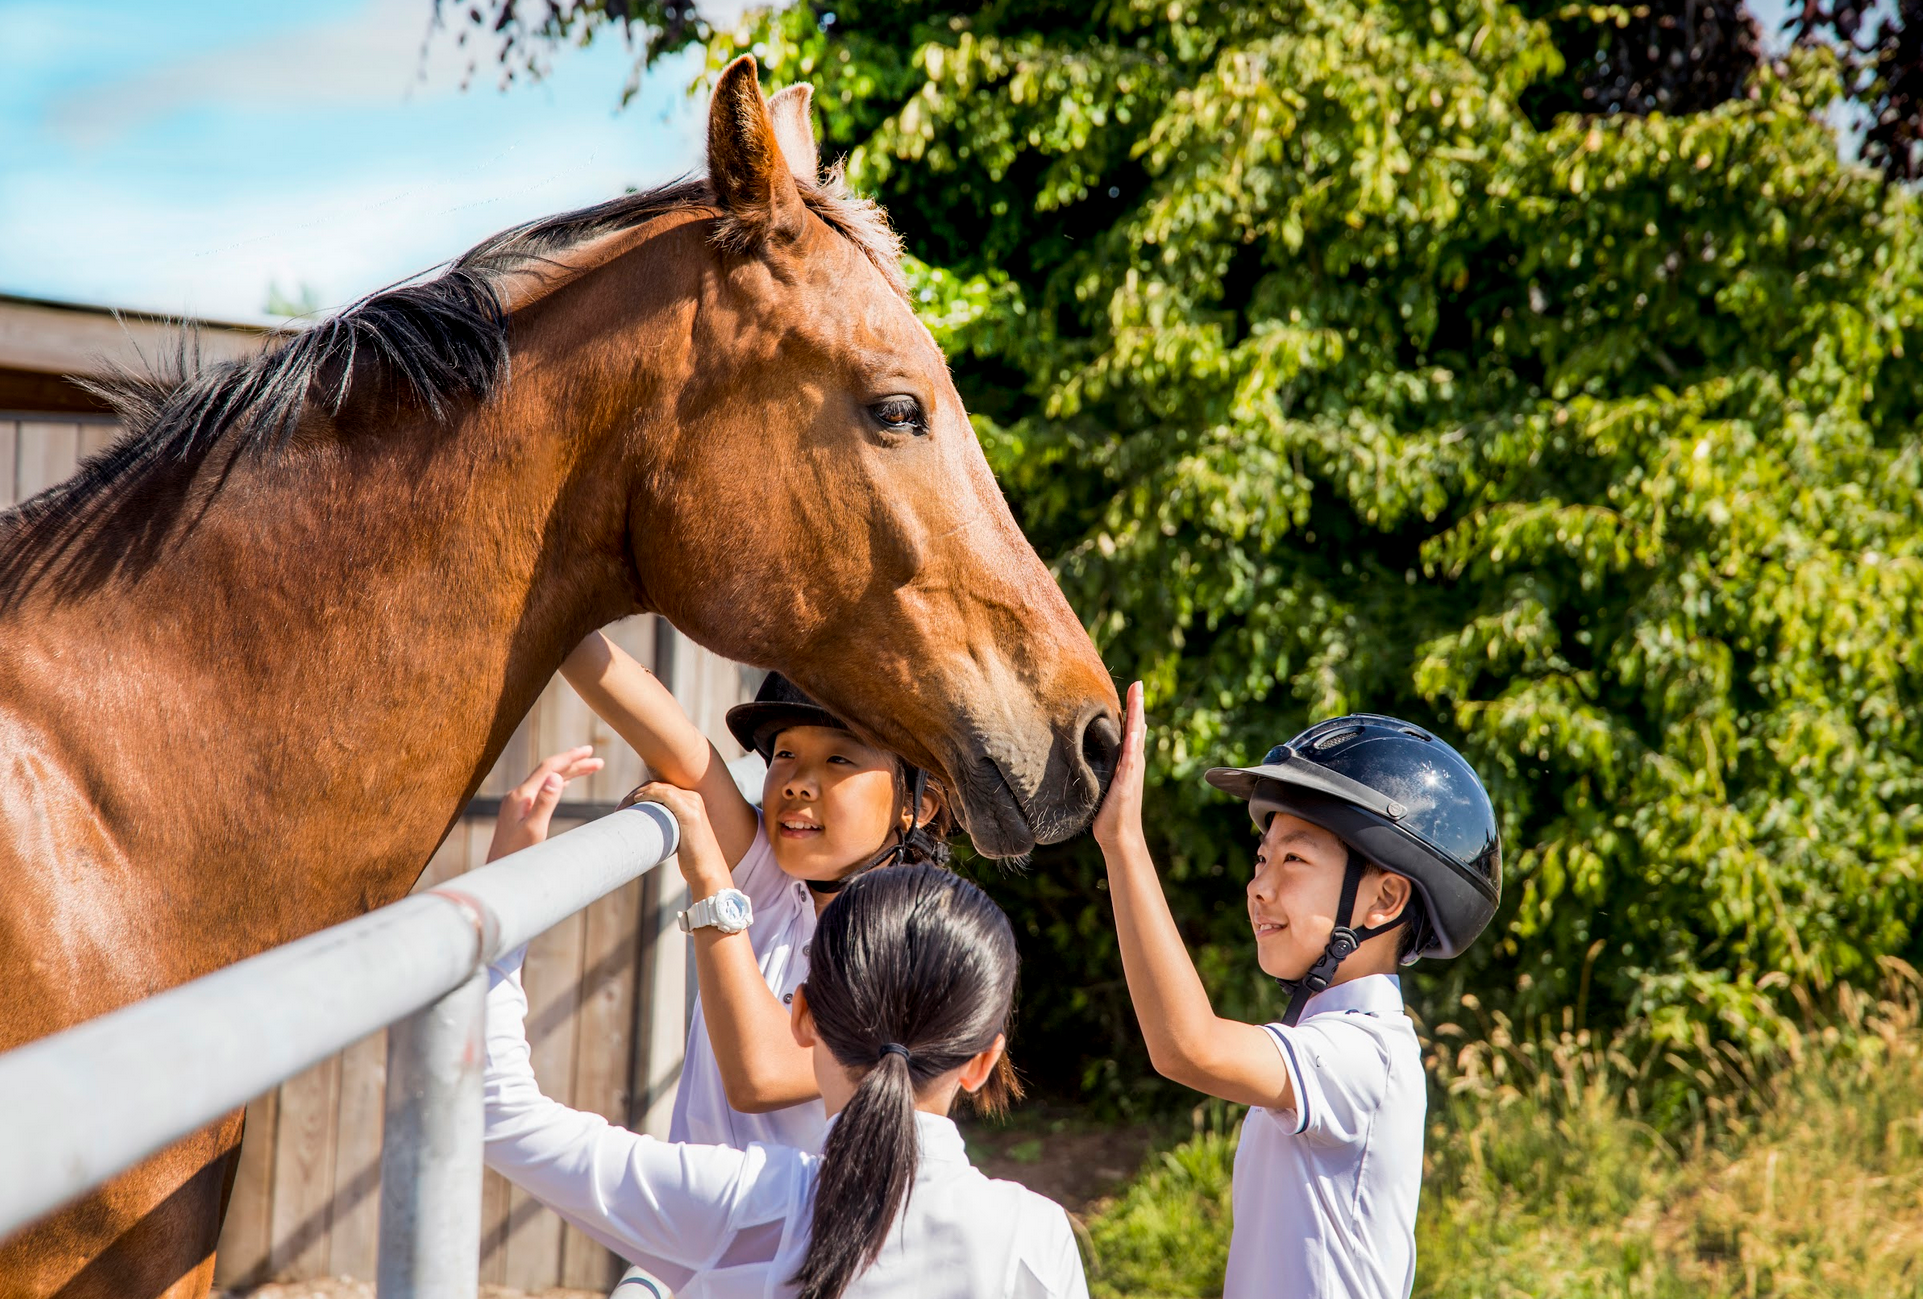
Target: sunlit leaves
{"x": 1328, "y": 381}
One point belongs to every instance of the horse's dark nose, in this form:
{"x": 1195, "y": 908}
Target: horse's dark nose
{"x": 1101, "y": 747}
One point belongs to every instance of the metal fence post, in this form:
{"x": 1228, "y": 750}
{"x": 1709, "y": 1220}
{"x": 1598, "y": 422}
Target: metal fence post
{"x": 430, "y": 1245}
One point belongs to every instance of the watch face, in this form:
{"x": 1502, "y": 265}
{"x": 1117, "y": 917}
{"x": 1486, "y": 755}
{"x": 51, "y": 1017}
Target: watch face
{"x": 731, "y": 911}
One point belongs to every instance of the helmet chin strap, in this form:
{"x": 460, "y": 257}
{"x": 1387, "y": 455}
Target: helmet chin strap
{"x": 1343, "y": 942}
{"x": 890, "y": 855}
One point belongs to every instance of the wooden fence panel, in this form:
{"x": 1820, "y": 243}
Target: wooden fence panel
{"x": 48, "y": 453}
{"x": 9, "y": 460}
{"x": 303, "y": 1181}
{"x": 354, "y": 1234}
{"x": 247, "y": 1237}
{"x": 97, "y": 436}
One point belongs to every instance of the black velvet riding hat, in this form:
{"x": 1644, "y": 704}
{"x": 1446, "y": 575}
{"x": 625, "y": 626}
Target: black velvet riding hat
{"x": 778, "y": 705}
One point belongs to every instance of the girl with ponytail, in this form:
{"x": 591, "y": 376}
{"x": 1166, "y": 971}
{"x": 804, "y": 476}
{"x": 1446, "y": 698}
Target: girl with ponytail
{"x": 905, "y": 1007}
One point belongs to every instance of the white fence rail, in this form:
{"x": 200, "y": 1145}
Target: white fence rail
{"x": 80, "y": 1106}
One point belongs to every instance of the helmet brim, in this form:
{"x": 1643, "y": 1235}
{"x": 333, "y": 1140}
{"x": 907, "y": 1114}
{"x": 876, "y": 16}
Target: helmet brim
{"x": 1322, "y": 797}
{"x": 1301, "y": 772}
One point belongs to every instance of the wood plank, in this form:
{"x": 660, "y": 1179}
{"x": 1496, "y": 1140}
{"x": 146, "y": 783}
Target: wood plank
{"x": 480, "y": 837}
{"x": 496, "y": 1201}
{"x": 661, "y": 1021}
{"x": 552, "y": 977}
{"x": 603, "y": 1051}
{"x": 59, "y": 339}
{"x": 565, "y": 722}
{"x": 9, "y": 455}
{"x": 353, "y": 1244}
{"x": 516, "y": 758}
{"x": 96, "y": 436}
{"x": 624, "y": 770}
{"x": 450, "y": 859}
{"x": 246, "y": 1237}
{"x": 531, "y": 1252}
{"x": 48, "y": 453}
{"x": 304, "y": 1173}
{"x": 45, "y": 394}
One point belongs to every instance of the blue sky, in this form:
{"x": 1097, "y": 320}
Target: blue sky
{"x": 181, "y": 157}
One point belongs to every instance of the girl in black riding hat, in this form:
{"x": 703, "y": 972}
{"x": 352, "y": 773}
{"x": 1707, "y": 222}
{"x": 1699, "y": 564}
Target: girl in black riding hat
{"x": 832, "y": 807}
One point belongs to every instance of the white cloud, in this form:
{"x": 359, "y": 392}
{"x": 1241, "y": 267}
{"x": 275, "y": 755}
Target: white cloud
{"x": 345, "y": 236}
{"x": 304, "y": 158}
{"x": 386, "y": 52}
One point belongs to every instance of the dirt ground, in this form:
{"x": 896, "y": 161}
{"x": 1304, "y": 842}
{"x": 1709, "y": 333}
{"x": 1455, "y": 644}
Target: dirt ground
{"x": 1070, "y": 1160}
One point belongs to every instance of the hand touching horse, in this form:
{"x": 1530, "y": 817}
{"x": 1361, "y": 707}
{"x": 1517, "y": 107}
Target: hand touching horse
{"x": 254, "y": 659}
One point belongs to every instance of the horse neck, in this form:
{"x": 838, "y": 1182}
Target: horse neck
{"x": 323, "y": 661}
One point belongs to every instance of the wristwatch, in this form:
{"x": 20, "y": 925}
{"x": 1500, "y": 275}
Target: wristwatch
{"x": 728, "y": 911}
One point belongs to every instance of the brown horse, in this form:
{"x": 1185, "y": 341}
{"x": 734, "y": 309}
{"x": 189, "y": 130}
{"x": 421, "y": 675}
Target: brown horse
{"x": 254, "y": 659}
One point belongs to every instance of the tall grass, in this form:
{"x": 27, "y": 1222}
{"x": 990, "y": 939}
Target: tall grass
{"x": 1562, "y": 1163}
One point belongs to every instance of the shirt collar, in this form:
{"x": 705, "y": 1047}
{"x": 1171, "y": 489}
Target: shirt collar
{"x": 1372, "y": 994}
{"x": 941, "y": 1141}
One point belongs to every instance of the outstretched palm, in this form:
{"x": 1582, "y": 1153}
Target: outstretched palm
{"x": 526, "y": 809}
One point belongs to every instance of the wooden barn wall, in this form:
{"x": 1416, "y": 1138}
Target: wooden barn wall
{"x": 607, "y": 989}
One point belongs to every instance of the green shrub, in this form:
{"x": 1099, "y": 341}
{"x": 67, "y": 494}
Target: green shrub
{"x": 1168, "y": 1234}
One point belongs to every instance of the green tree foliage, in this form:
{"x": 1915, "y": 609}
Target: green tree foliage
{"x": 1331, "y": 380}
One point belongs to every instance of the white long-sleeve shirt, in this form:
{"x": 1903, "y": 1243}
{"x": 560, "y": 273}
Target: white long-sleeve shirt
{"x": 718, "y": 1223}
{"x": 781, "y": 934}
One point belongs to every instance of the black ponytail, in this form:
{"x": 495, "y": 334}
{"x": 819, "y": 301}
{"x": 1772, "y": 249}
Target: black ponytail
{"x": 912, "y": 975}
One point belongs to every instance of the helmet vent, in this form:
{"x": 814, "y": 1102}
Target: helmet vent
{"x": 1335, "y": 738}
{"x": 1420, "y": 735}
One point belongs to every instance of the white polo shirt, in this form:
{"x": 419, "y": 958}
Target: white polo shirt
{"x": 717, "y": 1223}
{"x": 783, "y": 929}
{"x": 1325, "y": 1194}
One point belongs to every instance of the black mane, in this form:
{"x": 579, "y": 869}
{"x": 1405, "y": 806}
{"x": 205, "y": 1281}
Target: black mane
{"x": 437, "y": 342}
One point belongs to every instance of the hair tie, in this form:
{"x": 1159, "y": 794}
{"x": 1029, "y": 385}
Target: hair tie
{"x": 892, "y": 1048}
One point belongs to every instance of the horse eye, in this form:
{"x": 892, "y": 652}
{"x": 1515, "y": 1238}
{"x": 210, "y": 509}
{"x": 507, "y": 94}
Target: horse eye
{"x": 899, "y": 415}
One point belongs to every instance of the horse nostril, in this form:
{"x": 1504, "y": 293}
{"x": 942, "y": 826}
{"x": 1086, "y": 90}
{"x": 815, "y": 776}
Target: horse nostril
{"x": 1102, "y": 747}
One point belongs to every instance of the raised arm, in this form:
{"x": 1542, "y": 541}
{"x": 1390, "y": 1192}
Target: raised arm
{"x": 1187, "y": 1041}
{"x": 762, "y": 1066}
{"x": 666, "y": 1206}
{"x": 633, "y": 701}
{"x": 644, "y": 1199}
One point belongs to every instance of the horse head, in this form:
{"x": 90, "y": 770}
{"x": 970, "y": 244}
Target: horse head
{"x": 823, "y": 504}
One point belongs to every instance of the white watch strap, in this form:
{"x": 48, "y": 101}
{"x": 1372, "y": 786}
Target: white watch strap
{"x": 701, "y": 914}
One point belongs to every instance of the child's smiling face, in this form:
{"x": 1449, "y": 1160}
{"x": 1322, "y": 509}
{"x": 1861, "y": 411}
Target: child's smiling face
{"x": 829, "y": 802}
{"x": 1293, "y": 894}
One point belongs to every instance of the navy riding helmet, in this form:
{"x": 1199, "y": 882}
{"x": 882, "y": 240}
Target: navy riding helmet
{"x": 1398, "y": 797}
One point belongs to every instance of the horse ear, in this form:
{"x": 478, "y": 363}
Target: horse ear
{"x": 750, "y": 177}
{"x": 793, "y": 131}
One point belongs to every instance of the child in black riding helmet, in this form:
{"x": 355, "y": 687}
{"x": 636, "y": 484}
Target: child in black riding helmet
{"x": 833, "y": 807}
{"x": 1379, "y": 846}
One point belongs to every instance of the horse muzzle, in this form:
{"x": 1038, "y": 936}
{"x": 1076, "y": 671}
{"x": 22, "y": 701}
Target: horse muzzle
{"x": 1012, "y": 797}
